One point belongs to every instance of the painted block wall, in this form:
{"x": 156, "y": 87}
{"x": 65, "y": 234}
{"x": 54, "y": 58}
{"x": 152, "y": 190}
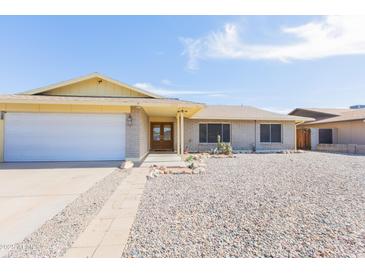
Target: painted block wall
{"x": 243, "y": 135}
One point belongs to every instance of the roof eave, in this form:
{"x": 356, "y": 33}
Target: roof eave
{"x": 253, "y": 118}
{"x": 337, "y": 121}
{"x": 80, "y": 101}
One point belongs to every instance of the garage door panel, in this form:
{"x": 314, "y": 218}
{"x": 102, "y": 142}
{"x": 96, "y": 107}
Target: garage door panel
{"x": 64, "y": 137}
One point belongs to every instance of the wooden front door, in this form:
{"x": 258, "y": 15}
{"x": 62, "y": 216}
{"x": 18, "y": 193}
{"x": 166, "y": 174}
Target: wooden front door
{"x": 162, "y": 136}
{"x": 303, "y": 138}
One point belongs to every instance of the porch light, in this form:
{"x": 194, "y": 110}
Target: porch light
{"x": 129, "y": 120}
{"x": 2, "y": 115}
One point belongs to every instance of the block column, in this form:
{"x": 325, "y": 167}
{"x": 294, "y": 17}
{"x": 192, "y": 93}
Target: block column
{"x": 178, "y": 132}
{"x": 182, "y": 132}
{"x": 2, "y": 133}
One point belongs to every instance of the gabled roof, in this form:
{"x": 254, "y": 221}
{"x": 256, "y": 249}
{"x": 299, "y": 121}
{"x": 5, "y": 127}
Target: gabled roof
{"x": 325, "y": 111}
{"x": 87, "y": 77}
{"x": 229, "y": 112}
{"x": 349, "y": 115}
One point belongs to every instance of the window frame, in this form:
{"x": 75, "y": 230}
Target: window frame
{"x": 221, "y": 123}
{"x": 281, "y": 133}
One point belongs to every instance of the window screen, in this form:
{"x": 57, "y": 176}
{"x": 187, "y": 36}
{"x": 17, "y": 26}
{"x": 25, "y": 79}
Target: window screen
{"x": 270, "y": 133}
{"x": 208, "y": 133}
{"x": 213, "y": 131}
{"x": 325, "y": 136}
{"x": 264, "y": 133}
{"x": 226, "y": 133}
{"x": 203, "y": 133}
{"x": 275, "y": 133}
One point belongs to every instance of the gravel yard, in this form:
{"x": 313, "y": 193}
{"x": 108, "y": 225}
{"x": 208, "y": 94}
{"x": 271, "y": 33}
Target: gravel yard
{"x": 256, "y": 205}
{"x": 54, "y": 237}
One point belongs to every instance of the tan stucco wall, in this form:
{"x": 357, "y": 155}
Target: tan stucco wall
{"x": 351, "y": 132}
{"x": 92, "y": 87}
{"x": 242, "y": 135}
{"x": 137, "y": 135}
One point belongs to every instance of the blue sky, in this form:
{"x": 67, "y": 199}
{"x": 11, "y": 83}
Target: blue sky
{"x": 275, "y": 62}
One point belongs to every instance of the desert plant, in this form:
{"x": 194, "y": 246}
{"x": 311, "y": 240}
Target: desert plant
{"x": 227, "y": 149}
{"x": 189, "y": 159}
{"x": 223, "y": 148}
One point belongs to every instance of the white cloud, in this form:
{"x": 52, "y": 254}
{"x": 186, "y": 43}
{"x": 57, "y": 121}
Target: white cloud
{"x": 173, "y": 92}
{"x": 166, "y": 82}
{"x": 330, "y": 36}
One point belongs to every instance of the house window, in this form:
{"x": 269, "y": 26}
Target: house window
{"x": 203, "y": 133}
{"x": 208, "y": 133}
{"x": 325, "y": 136}
{"x": 270, "y": 133}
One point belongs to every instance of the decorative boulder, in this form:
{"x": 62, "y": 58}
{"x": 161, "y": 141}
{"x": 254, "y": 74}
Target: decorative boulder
{"x": 199, "y": 170}
{"x": 126, "y": 165}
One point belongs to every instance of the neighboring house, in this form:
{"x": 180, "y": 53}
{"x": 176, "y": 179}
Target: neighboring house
{"x": 97, "y": 118}
{"x": 341, "y": 130}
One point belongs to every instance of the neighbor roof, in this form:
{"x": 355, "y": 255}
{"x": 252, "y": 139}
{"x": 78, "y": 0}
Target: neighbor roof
{"x": 349, "y": 115}
{"x": 87, "y": 77}
{"x": 228, "y": 112}
{"x": 330, "y": 111}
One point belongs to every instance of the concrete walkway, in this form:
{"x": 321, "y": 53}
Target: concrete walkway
{"x": 107, "y": 234}
{"x": 168, "y": 159}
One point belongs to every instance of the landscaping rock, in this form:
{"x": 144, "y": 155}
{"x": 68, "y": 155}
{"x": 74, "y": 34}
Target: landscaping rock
{"x": 256, "y": 205}
{"x": 199, "y": 170}
{"x": 126, "y": 164}
{"x": 180, "y": 170}
{"x": 155, "y": 172}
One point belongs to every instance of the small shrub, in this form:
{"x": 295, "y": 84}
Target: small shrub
{"x": 189, "y": 159}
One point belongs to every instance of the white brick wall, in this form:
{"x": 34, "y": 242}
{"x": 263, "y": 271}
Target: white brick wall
{"x": 144, "y": 133}
{"x": 137, "y": 135}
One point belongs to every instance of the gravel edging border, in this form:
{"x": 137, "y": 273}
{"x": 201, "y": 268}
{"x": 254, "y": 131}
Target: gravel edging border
{"x": 57, "y": 235}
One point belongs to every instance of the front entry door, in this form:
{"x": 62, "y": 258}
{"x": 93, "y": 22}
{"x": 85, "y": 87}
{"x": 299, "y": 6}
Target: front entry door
{"x": 162, "y": 136}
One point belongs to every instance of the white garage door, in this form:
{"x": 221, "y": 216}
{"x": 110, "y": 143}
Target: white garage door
{"x": 64, "y": 137}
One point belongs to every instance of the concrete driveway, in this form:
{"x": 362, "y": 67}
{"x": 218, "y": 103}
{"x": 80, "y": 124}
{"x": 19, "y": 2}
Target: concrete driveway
{"x": 32, "y": 193}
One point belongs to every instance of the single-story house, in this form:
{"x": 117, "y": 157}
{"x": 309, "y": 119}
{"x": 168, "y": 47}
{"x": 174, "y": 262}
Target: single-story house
{"x": 98, "y": 118}
{"x": 334, "y": 129}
